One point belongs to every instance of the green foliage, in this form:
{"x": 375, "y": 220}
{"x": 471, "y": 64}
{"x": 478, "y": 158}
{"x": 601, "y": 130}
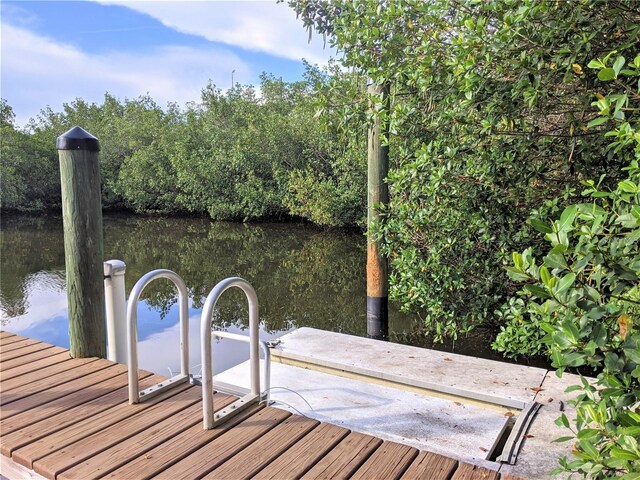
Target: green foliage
{"x": 331, "y": 190}
{"x": 490, "y": 118}
{"x": 28, "y": 169}
{"x": 585, "y": 299}
{"x": 239, "y": 155}
{"x": 582, "y": 302}
{"x": 235, "y": 164}
{"x": 146, "y": 177}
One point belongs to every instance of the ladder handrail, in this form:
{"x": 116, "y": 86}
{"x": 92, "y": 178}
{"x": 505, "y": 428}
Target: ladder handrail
{"x": 132, "y": 330}
{"x": 205, "y": 343}
{"x": 264, "y": 346}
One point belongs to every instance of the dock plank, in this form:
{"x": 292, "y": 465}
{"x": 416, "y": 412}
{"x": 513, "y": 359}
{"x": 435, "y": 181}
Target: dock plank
{"x": 297, "y": 460}
{"x": 466, "y": 471}
{"x": 27, "y": 359}
{"x": 431, "y": 466}
{"x": 265, "y": 449}
{"x": 23, "y": 350}
{"x": 159, "y": 458}
{"x": 33, "y": 367}
{"x": 119, "y": 454}
{"x": 389, "y": 461}
{"x": 60, "y": 459}
{"x": 220, "y": 449}
{"x": 72, "y": 394}
{"x": 40, "y": 429}
{"x": 6, "y": 338}
{"x": 12, "y": 346}
{"x": 79, "y": 429}
{"x": 50, "y": 368}
{"x": 83, "y": 366}
{"x": 345, "y": 458}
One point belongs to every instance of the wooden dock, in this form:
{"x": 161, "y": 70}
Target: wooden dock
{"x": 66, "y": 418}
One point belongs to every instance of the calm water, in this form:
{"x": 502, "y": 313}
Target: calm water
{"x": 303, "y": 277}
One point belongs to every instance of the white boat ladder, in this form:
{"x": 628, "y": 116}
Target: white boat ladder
{"x": 211, "y": 418}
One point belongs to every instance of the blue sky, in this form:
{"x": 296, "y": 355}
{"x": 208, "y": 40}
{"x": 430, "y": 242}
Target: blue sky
{"x": 55, "y": 51}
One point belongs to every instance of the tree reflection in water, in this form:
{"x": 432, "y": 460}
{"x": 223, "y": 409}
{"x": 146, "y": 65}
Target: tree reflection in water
{"x": 303, "y": 276}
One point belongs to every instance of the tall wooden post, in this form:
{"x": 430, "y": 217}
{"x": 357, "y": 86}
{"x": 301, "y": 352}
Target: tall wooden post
{"x": 83, "y": 247}
{"x": 378, "y": 194}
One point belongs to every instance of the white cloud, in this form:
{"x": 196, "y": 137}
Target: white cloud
{"x": 263, "y": 26}
{"x": 38, "y": 71}
{"x": 46, "y": 301}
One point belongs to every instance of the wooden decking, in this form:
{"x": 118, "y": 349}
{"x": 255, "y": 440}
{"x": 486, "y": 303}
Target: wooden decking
{"x": 70, "y": 419}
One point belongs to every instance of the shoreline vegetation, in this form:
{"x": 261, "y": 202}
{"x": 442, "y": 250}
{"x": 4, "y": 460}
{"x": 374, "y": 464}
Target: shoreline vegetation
{"x": 248, "y": 154}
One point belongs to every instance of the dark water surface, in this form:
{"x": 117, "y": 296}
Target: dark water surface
{"x": 304, "y": 277}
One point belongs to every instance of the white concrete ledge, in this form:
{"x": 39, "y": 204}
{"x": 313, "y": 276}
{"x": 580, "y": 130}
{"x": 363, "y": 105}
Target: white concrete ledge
{"x": 499, "y": 383}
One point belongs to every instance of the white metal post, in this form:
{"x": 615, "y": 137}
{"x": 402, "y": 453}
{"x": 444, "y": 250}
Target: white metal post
{"x": 135, "y": 395}
{"x": 209, "y": 417}
{"x": 116, "y": 314}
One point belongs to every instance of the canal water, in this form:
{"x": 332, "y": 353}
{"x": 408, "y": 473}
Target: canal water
{"x": 304, "y": 277}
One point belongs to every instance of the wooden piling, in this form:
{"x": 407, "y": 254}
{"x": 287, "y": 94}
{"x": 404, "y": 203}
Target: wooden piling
{"x": 378, "y": 194}
{"x": 83, "y": 244}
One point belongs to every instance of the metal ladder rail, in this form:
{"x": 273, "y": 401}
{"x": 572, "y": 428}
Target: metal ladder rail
{"x": 135, "y": 395}
{"x": 266, "y": 369}
{"x": 209, "y": 418}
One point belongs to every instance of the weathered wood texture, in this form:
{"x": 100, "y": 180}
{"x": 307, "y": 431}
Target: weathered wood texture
{"x": 76, "y": 423}
{"x": 377, "y": 195}
{"x": 83, "y": 251}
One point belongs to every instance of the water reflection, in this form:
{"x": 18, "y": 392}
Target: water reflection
{"x": 303, "y": 277}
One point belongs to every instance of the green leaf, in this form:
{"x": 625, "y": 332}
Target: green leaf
{"x": 632, "y": 348}
{"x": 618, "y": 64}
{"x": 588, "y": 448}
{"x": 629, "y": 476}
{"x": 599, "y": 335}
{"x": 545, "y": 276}
{"x": 562, "y": 421}
{"x": 517, "y": 274}
{"x": 558, "y": 249}
{"x": 596, "y": 64}
{"x": 618, "y": 452}
{"x": 540, "y": 226}
{"x": 607, "y": 74}
{"x": 628, "y": 186}
{"x": 517, "y": 260}
{"x": 568, "y": 216}
{"x": 566, "y": 282}
{"x": 556, "y": 261}
{"x": 597, "y": 121}
{"x": 586, "y": 433}
{"x": 562, "y": 340}
{"x": 537, "y": 291}
{"x": 574, "y": 359}
{"x": 573, "y": 388}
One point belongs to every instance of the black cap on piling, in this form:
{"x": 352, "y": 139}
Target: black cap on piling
{"x": 77, "y": 139}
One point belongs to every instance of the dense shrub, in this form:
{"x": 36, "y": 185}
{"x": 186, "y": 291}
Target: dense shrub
{"x": 490, "y": 118}
{"x": 581, "y": 302}
{"x": 28, "y": 168}
{"x": 244, "y": 154}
